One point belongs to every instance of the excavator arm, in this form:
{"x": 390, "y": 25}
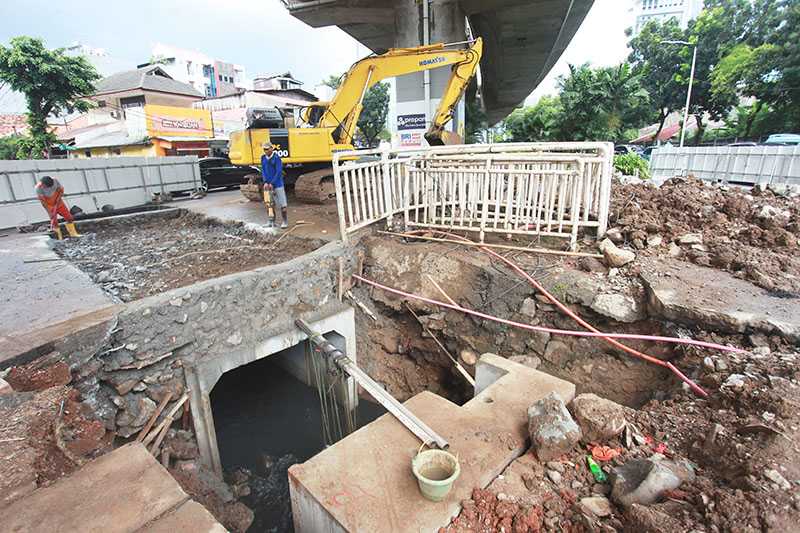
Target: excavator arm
{"x": 344, "y": 109}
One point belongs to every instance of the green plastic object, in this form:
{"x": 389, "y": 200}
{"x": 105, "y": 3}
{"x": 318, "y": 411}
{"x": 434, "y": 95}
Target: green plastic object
{"x": 597, "y": 472}
{"x": 436, "y": 471}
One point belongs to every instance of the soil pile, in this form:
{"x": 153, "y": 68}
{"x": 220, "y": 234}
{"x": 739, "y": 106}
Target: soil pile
{"x": 752, "y": 234}
{"x": 135, "y": 260}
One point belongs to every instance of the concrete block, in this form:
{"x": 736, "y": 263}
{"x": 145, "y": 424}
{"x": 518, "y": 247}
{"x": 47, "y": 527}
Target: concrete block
{"x": 119, "y": 492}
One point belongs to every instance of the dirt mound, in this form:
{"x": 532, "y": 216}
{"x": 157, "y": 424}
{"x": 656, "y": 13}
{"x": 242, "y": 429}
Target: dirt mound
{"x": 752, "y": 234}
{"x": 485, "y": 513}
{"x": 139, "y": 259}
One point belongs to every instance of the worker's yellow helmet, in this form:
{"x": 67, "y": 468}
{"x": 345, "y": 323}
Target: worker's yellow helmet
{"x": 267, "y": 145}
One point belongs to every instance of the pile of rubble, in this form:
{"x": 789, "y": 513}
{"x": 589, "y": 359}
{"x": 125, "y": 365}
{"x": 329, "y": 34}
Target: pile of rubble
{"x": 752, "y": 234}
{"x": 149, "y": 254}
{"x": 685, "y": 464}
{"x": 48, "y": 430}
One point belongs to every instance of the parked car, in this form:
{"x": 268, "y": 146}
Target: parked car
{"x": 784, "y": 139}
{"x": 622, "y": 149}
{"x": 647, "y": 152}
{"x": 743, "y": 143}
{"x": 216, "y": 172}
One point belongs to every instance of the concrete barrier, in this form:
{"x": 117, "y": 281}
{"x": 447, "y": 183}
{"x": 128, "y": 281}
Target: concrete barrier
{"x": 91, "y": 183}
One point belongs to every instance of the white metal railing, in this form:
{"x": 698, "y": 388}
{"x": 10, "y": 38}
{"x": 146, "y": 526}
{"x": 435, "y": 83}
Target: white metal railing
{"x": 550, "y": 189}
{"x": 769, "y": 165}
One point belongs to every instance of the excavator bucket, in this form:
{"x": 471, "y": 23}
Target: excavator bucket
{"x": 443, "y": 138}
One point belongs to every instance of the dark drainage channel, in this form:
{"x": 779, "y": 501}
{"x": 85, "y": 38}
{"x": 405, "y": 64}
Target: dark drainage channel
{"x": 267, "y": 420}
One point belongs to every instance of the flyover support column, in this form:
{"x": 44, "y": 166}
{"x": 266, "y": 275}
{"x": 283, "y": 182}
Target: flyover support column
{"x": 410, "y": 113}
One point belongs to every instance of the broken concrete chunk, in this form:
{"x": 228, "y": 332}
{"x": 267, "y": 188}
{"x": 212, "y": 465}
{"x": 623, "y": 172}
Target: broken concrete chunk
{"x": 654, "y": 240}
{"x": 557, "y": 353}
{"x": 615, "y": 235}
{"x": 615, "y": 257}
{"x": 596, "y": 505}
{"x": 619, "y": 307}
{"x": 645, "y": 480}
{"x": 778, "y": 479}
{"x": 691, "y": 238}
{"x": 552, "y": 430}
{"x": 5, "y": 388}
{"x": 528, "y": 308}
{"x": 235, "y": 339}
{"x": 591, "y": 264}
{"x": 599, "y": 419}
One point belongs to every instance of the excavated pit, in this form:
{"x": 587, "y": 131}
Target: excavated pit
{"x": 142, "y": 255}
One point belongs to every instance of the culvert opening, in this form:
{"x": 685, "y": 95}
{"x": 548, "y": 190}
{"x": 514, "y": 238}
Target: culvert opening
{"x": 267, "y": 417}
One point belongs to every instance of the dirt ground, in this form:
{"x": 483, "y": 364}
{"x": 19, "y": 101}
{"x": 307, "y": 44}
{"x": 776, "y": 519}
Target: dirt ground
{"x": 752, "y": 234}
{"x": 138, "y": 260}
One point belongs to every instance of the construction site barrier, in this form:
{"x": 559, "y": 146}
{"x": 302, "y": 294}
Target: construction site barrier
{"x": 92, "y": 183}
{"x": 741, "y": 165}
{"x": 535, "y": 189}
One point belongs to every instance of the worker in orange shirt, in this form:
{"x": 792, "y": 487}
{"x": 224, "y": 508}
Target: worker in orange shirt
{"x": 50, "y": 192}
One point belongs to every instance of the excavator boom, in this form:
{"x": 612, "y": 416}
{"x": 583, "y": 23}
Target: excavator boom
{"x": 345, "y": 107}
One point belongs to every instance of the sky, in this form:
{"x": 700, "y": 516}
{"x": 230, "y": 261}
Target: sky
{"x": 259, "y": 34}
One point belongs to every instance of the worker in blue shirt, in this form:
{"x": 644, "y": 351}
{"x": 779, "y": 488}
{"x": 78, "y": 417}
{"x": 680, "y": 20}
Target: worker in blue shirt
{"x": 272, "y": 176}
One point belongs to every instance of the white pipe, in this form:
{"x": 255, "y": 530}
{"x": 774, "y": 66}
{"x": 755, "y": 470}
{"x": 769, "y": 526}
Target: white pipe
{"x": 426, "y": 75}
{"x": 688, "y": 97}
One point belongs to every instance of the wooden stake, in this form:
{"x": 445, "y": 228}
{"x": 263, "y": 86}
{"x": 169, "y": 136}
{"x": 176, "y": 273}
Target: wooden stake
{"x": 441, "y": 290}
{"x": 164, "y": 401}
{"x": 453, "y": 359}
{"x": 499, "y": 246}
{"x": 167, "y": 420}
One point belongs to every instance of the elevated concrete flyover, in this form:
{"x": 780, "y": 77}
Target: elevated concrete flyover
{"x": 523, "y": 38}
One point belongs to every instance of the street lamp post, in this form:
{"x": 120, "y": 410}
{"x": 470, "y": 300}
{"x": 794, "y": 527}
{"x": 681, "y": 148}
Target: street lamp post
{"x": 691, "y": 81}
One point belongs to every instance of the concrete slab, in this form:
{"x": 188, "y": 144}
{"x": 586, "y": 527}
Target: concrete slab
{"x": 323, "y": 220}
{"x": 120, "y": 492}
{"x": 364, "y": 482}
{"x": 191, "y": 517}
{"x": 41, "y": 293}
{"x": 710, "y": 298}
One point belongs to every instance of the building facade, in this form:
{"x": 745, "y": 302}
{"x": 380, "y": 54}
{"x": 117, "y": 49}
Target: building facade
{"x": 211, "y": 77}
{"x": 683, "y": 11}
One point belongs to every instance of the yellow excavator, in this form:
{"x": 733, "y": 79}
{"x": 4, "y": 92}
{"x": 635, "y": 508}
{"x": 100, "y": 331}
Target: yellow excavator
{"x": 329, "y": 127}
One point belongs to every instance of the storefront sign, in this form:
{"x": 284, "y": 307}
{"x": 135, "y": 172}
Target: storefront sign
{"x": 411, "y": 122}
{"x": 168, "y": 121}
{"x": 411, "y": 139}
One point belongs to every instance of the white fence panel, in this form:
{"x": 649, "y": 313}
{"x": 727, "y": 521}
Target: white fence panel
{"x": 91, "y": 183}
{"x": 746, "y": 165}
{"x": 550, "y": 189}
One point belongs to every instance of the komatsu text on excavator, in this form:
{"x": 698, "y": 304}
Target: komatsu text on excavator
{"x": 329, "y": 127}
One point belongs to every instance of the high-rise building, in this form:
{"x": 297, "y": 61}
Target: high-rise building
{"x": 681, "y": 10}
{"x": 211, "y": 77}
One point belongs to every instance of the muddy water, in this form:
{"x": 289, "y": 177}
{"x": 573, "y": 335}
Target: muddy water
{"x": 266, "y": 420}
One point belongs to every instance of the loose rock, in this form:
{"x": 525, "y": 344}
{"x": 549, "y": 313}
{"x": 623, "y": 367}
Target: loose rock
{"x": 596, "y": 505}
{"x": 645, "y": 480}
{"x": 552, "y": 430}
{"x": 599, "y": 419}
{"x": 615, "y": 257}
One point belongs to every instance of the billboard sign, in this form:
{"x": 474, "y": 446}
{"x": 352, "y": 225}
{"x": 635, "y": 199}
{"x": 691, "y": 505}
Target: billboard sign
{"x": 168, "y": 121}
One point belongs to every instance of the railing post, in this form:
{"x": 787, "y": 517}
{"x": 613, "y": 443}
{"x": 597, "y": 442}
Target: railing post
{"x": 388, "y": 203}
{"x": 337, "y": 181}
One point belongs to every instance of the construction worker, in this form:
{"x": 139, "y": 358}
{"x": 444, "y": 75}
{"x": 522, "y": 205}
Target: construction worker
{"x": 50, "y": 192}
{"x": 272, "y": 176}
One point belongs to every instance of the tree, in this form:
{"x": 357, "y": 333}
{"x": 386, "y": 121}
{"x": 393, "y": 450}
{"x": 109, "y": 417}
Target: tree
{"x": 333, "y": 81}
{"x": 372, "y": 120}
{"x": 658, "y": 66}
{"x": 9, "y": 146}
{"x": 600, "y": 104}
{"x": 733, "y": 39}
{"x": 539, "y": 122}
{"x": 52, "y": 82}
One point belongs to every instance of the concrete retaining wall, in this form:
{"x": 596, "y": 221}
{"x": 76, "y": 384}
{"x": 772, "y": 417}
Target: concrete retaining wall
{"x": 91, "y": 183}
{"x": 220, "y": 323}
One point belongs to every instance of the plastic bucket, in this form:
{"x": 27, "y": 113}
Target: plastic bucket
{"x": 436, "y": 471}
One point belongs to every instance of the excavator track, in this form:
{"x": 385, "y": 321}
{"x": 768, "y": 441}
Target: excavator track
{"x": 315, "y": 187}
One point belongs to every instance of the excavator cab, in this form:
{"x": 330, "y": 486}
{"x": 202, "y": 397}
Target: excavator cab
{"x": 312, "y": 114}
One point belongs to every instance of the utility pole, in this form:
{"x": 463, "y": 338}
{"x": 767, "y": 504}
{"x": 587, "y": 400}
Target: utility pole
{"x": 691, "y": 82}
